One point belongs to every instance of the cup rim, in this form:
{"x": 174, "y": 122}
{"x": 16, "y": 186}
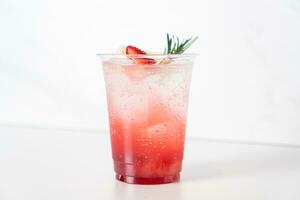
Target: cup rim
{"x": 152, "y": 55}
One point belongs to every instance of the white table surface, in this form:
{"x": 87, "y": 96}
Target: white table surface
{"x": 37, "y": 164}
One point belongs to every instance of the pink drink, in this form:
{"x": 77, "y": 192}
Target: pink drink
{"x": 147, "y": 107}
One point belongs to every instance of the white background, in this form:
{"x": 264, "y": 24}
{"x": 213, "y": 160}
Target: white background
{"x": 246, "y": 82}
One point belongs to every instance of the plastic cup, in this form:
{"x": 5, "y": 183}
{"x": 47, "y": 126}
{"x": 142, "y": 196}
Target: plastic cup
{"x": 147, "y": 107}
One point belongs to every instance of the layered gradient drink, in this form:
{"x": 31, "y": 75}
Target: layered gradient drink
{"x": 147, "y": 97}
{"x": 147, "y": 106}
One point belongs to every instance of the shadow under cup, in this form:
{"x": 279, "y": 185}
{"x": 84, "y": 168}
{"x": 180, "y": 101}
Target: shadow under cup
{"x": 147, "y": 106}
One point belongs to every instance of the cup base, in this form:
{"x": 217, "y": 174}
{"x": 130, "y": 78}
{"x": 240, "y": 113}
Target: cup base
{"x": 148, "y": 181}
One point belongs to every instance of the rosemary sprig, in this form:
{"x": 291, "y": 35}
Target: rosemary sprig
{"x": 177, "y": 46}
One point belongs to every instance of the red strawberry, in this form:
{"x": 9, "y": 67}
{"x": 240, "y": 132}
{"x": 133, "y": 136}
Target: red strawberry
{"x": 131, "y": 50}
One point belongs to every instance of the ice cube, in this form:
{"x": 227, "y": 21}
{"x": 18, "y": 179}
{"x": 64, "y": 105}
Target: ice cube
{"x": 159, "y": 128}
{"x": 136, "y": 72}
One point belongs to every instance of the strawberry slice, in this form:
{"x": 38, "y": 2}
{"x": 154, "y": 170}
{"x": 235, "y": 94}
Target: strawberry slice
{"x": 131, "y": 50}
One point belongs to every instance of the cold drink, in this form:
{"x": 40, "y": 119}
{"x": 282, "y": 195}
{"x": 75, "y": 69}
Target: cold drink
{"x": 147, "y": 106}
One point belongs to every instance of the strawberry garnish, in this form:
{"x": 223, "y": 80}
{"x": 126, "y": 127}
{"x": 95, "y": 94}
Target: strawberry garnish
{"x": 131, "y": 50}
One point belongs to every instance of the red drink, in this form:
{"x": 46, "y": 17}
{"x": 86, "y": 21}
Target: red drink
{"x": 147, "y": 107}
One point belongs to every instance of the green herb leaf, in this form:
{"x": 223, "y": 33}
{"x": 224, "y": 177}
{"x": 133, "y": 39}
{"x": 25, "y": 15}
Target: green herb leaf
{"x": 177, "y": 46}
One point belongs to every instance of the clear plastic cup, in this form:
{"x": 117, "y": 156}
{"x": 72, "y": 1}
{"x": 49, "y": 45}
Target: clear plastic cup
{"x": 147, "y": 106}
